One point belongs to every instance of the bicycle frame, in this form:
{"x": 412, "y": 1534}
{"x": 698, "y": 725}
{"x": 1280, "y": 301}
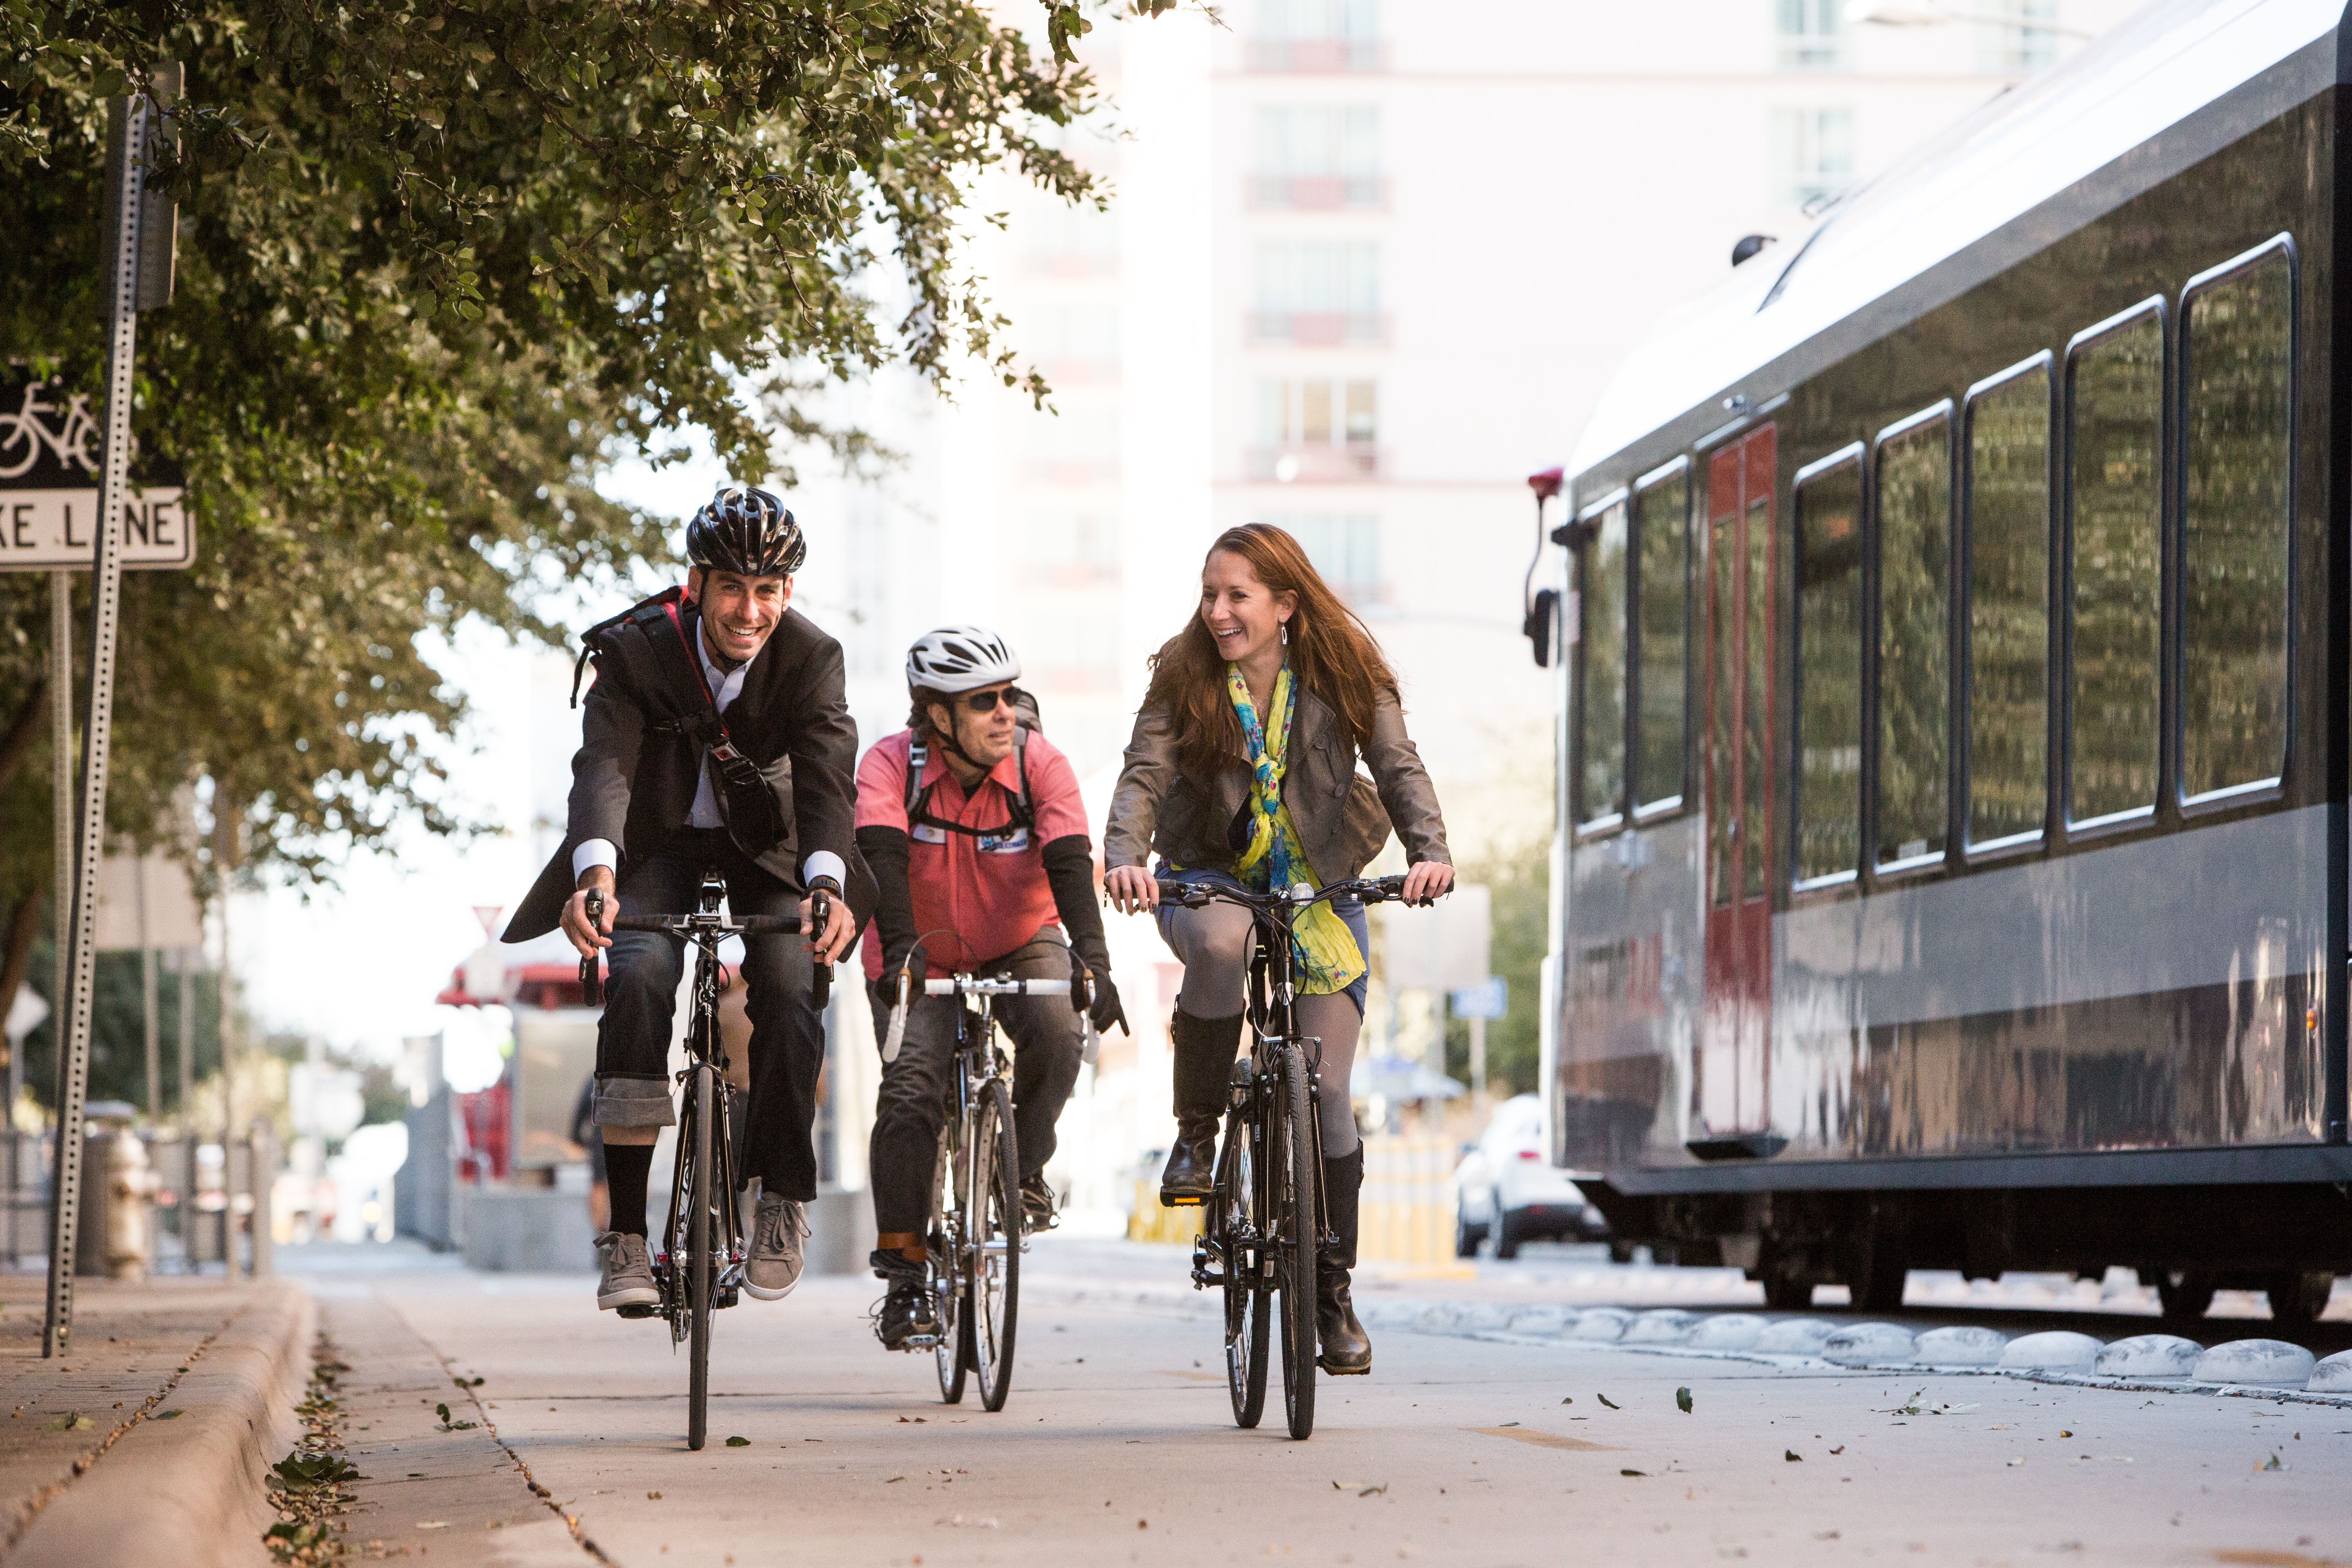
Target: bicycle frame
{"x": 704, "y": 1044}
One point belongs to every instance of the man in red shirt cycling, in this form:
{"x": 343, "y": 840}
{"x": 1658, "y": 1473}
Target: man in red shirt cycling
{"x": 972, "y": 826}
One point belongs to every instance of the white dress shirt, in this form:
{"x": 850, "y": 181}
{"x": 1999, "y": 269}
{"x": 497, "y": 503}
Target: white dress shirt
{"x": 725, "y": 686}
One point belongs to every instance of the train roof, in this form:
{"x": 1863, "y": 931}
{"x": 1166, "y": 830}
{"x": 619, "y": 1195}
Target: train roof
{"x": 2168, "y": 87}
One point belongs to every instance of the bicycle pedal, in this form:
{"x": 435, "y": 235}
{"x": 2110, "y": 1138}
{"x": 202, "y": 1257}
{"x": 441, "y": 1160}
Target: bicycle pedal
{"x": 1181, "y": 1201}
{"x": 636, "y": 1309}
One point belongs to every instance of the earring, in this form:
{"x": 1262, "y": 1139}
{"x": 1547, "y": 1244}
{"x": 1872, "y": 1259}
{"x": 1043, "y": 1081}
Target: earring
{"x": 1284, "y": 629}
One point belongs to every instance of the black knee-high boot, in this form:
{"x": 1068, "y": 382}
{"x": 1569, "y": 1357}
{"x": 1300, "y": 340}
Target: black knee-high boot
{"x": 1204, "y": 1051}
{"x": 1347, "y": 1349}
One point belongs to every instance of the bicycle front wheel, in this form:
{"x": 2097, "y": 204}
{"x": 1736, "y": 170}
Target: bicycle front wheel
{"x": 1296, "y": 1227}
{"x": 994, "y": 1287}
{"x": 702, "y": 1096}
{"x": 945, "y": 1244}
{"x": 1249, "y": 1324}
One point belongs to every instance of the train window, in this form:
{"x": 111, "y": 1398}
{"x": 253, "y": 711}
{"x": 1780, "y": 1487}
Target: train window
{"x": 2237, "y": 385}
{"x": 1600, "y": 667}
{"x": 1723, "y": 679}
{"x": 2115, "y": 397}
{"x": 1829, "y": 669}
{"x": 1914, "y": 474}
{"x": 1662, "y": 532}
{"x": 2008, "y": 604}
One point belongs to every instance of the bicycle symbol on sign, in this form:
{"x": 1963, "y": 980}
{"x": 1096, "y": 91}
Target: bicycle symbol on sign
{"x": 24, "y": 433}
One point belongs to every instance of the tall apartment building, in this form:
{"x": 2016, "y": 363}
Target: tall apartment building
{"x": 1368, "y": 264}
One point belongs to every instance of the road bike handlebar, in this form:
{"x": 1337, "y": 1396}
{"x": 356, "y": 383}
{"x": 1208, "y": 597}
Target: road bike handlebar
{"x": 591, "y": 979}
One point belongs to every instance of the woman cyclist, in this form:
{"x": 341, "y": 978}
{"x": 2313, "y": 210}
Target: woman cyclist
{"x": 1241, "y": 771}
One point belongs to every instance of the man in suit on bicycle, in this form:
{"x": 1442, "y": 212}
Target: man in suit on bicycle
{"x": 973, "y": 823}
{"x": 716, "y": 735}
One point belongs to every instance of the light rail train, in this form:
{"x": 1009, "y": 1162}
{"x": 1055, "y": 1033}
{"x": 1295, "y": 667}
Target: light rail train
{"x": 1952, "y": 864}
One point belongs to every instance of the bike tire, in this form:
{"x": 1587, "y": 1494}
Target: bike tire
{"x": 994, "y": 1281}
{"x": 1248, "y": 1325}
{"x": 700, "y": 1273}
{"x": 1296, "y": 1231}
{"x": 947, "y": 1275}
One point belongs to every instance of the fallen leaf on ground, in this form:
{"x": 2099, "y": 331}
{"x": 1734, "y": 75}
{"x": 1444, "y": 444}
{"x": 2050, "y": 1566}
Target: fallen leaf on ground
{"x": 1570, "y": 1400}
{"x": 1836, "y": 1451}
{"x": 1682, "y": 1400}
{"x": 2017, "y": 1461}
{"x": 2274, "y": 1464}
{"x": 1632, "y": 1472}
{"x": 433, "y": 1524}
{"x": 1605, "y": 1400}
{"x": 738, "y": 1442}
{"x": 1793, "y": 1457}
{"x": 69, "y": 1421}
{"x": 653, "y": 1497}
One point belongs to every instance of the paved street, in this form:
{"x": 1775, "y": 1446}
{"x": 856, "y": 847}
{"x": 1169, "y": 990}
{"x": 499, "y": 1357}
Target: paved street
{"x": 1117, "y": 1446}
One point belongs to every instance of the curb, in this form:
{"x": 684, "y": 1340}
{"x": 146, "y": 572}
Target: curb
{"x": 192, "y": 1491}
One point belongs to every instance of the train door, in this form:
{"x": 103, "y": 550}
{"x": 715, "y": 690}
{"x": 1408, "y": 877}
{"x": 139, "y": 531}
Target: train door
{"x": 1733, "y": 1067}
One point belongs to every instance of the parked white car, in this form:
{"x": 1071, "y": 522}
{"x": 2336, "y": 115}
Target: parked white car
{"x": 1508, "y": 1189}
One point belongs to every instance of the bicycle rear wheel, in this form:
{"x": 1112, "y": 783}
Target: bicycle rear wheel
{"x": 945, "y": 1244}
{"x": 1248, "y": 1324}
{"x": 993, "y": 1300}
{"x": 1295, "y": 1230}
{"x": 701, "y": 1272}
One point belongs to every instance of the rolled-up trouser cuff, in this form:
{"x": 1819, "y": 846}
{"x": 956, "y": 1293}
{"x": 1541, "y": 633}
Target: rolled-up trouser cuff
{"x": 633, "y": 1102}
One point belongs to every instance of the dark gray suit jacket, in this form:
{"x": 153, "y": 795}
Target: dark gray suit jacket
{"x": 632, "y": 781}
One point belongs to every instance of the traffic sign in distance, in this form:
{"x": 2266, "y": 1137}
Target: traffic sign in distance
{"x": 1491, "y": 1000}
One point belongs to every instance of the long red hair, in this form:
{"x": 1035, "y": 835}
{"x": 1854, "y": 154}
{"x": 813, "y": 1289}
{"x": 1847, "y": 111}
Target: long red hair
{"x": 1331, "y": 654}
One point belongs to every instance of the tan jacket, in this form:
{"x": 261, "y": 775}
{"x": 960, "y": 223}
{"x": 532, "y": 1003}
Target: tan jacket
{"x": 1343, "y": 819}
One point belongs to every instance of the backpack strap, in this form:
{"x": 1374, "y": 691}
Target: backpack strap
{"x": 918, "y": 794}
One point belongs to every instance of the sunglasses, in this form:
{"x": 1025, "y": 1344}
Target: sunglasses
{"x": 986, "y": 702}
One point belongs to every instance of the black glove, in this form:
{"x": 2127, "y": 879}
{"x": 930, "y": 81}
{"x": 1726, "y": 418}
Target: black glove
{"x": 1106, "y": 1010}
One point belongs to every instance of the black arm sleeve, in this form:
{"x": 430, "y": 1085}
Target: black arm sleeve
{"x": 885, "y": 852}
{"x": 1070, "y": 872}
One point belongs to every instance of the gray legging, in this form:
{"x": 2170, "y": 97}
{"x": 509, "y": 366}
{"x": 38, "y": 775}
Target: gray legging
{"x": 1213, "y": 942}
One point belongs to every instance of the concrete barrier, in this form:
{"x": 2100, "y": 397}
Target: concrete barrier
{"x": 1407, "y": 1215}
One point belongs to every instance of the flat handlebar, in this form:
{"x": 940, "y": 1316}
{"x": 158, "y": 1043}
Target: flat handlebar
{"x": 973, "y": 986}
{"x": 695, "y": 927}
{"x": 1370, "y": 891}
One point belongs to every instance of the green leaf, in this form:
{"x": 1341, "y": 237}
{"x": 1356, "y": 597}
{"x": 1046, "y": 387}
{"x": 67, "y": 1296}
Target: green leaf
{"x": 1682, "y": 1400}
{"x": 738, "y": 1442}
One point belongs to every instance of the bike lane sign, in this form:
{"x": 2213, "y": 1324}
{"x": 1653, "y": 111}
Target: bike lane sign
{"x": 48, "y": 488}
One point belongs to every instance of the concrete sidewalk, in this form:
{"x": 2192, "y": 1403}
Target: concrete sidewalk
{"x": 152, "y": 1437}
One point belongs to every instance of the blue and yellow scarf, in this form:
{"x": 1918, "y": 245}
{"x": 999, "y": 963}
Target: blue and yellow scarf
{"x": 1324, "y": 950}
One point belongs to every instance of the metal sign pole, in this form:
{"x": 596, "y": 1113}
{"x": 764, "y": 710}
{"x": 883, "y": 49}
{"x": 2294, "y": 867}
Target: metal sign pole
{"x": 129, "y": 128}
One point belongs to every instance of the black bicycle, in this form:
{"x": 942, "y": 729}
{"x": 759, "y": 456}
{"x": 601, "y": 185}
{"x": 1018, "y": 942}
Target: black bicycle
{"x": 1267, "y": 1216}
{"x": 974, "y": 1240}
{"x": 699, "y": 1265}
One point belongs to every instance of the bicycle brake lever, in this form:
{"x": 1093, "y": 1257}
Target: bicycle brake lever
{"x": 820, "y": 917}
{"x": 591, "y": 980}
{"x": 897, "y": 1034}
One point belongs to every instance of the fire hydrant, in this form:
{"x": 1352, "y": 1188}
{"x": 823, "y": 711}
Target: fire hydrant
{"x": 130, "y": 1185}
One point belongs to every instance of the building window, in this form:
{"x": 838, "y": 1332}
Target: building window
{"x": 2017, "y": 36}
{"x": 1828, "y": 669}
{"x": 1078, "y": 446}
{"x": 1345, "y": 548}
{"x": 1318, "y": 293}
{"x": 1319, "y": 430}
{"x": 1067, "y": 241}
{"x": 1074, "y": 549}
{"x": 1318, "y": 37}
{"x": 1318, "y": 158}
{"x": 2238, "y": 334}
{"x": 1662, "y": 542}
{"x": 1915, "y": 590}
{"x": 2009, "y": 605}
{"x": 2114, "y": 412}
{"x": 1813, "y": 154}
{"x": 1078, "y": 345}
{"x": 1812, "y": 33}
{"x": 1600, "y": 671}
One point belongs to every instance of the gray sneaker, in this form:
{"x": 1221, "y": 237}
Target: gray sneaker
{"x": 777, "y": 1232}
{"x": 628, "y": 1277}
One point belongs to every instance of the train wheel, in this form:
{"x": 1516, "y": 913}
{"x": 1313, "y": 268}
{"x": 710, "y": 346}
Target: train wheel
{"x": 1876, "y": 1273}
{"x": 2298, "y": 1297}
{"x": 2184, "y": 1296}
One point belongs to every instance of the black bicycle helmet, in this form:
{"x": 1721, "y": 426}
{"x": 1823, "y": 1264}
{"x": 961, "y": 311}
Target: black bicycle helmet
{"x": 747, "y": 532}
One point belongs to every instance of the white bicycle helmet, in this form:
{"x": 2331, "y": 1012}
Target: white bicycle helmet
{"x": 960, "y": 658}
